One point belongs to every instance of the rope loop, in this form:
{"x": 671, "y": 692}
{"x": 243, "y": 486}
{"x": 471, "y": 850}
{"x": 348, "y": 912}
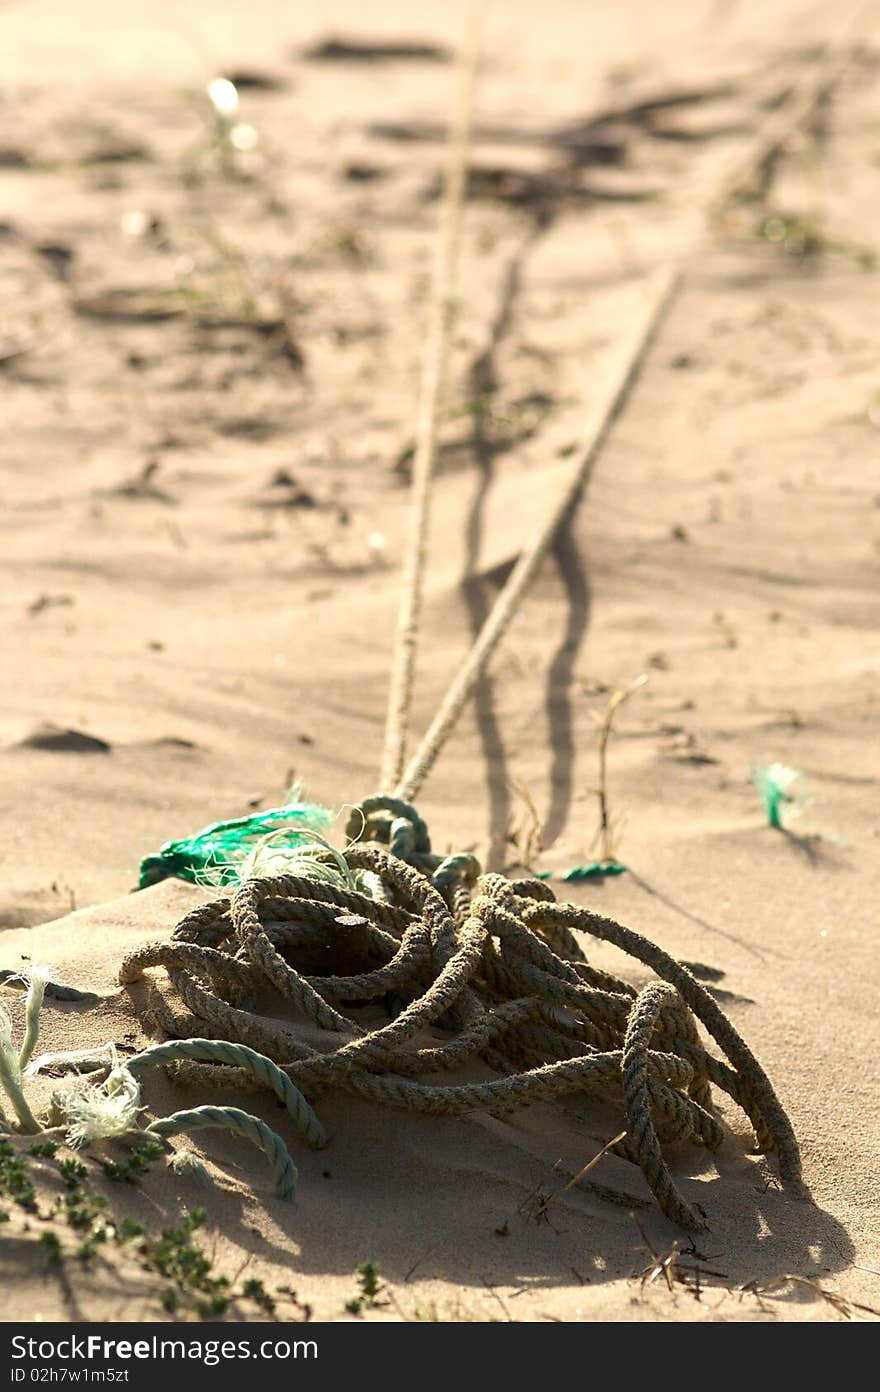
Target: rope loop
{"x": 376, "y": 817}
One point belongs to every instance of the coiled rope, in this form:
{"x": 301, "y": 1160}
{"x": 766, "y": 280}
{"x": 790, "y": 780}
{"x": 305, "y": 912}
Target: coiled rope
{"x": 472, "y": 967}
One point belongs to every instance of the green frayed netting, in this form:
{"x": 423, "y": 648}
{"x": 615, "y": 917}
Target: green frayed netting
{"x": 773, "y": 783}
{"x": 216, "y": 854}
{"x": 593, "y": 871}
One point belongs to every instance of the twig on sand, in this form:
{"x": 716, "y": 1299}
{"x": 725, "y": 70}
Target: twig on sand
{"x": 688, "y": 1273}
{"x": 748, "y": 180}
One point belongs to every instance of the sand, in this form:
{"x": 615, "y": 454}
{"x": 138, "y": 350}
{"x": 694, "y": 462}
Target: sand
{"x": 202, "y": 543}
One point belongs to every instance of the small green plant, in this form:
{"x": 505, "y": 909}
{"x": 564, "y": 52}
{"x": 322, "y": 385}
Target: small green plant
{"x": 369, "y": 1286}
{"x": 188, "y": 1281}
{"x": 44, "y": 1150}
{"x": 170, "y": 1300}
{"x": 304, "y": 1311}
{"x": 51, "y": 1245}
{"x": 368, "y": 1280}
{"x": 138, "y": 1164}
{"x": 212, "y": 1308}
{"x": 72, "y": 1172}
{"x": 129, "y": 1228}
{"x": 86, "y": 1249}
{"x": 77, "y": 1211}
{"x": 175, "y": 1256}
{"x": 15, "y": 1178}
{"x": 254, "y": 1290}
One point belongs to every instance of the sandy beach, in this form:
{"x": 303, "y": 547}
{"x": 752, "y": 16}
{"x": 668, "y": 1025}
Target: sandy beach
{"x": 209, "y": 357}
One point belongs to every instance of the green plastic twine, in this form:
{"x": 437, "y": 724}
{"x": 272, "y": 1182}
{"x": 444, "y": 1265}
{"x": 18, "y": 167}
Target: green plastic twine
{"x": 215, "y": 854}
{"x": 594, "y": 870}
{"x": 773, "y": 783}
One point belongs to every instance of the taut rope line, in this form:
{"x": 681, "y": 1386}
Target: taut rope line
{"x": 434, "y": 365}
{"x": 503, "y": 612}
{"x": 775, "y": 132}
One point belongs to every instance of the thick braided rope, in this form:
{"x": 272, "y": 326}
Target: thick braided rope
{"x": 753, "y": 1079}
{"x": 265, "y": 1036}
{"x": 592, "y": 1073}
{"x": 497, "y": 967}
{"x": 229, "y": 977}
{"x": 263, "y": 1069}
{"x": 240, "y": 1124}
{"x": 290, "y": 983}
{"x": 209, "y": 925}
{"x": 641, "y": 1133}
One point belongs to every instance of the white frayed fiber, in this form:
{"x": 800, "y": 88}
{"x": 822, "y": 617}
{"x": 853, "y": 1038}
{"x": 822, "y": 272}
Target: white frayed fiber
{"x": 102, "y": 1112}
{"x": 271, "y": 857}
{"x": 75, "y": 1060}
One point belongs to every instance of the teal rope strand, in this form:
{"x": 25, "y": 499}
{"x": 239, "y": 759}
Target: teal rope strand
{"x": 223, "y": 1051}
{"x": 55, "y": 990}
{"x": 33, "y": 1006}
{"x": 10, "y": 1077}
{"x": 240, "y": 1124}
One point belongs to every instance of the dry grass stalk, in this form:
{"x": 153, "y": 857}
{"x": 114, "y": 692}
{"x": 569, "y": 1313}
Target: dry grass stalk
{"x": 849, "y": 1309}
{"x": 688, "y": 1273}
{"x": 604, "y": 836}
{"x": 581, "y": 1174}
{"x": 526, "y": 835}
